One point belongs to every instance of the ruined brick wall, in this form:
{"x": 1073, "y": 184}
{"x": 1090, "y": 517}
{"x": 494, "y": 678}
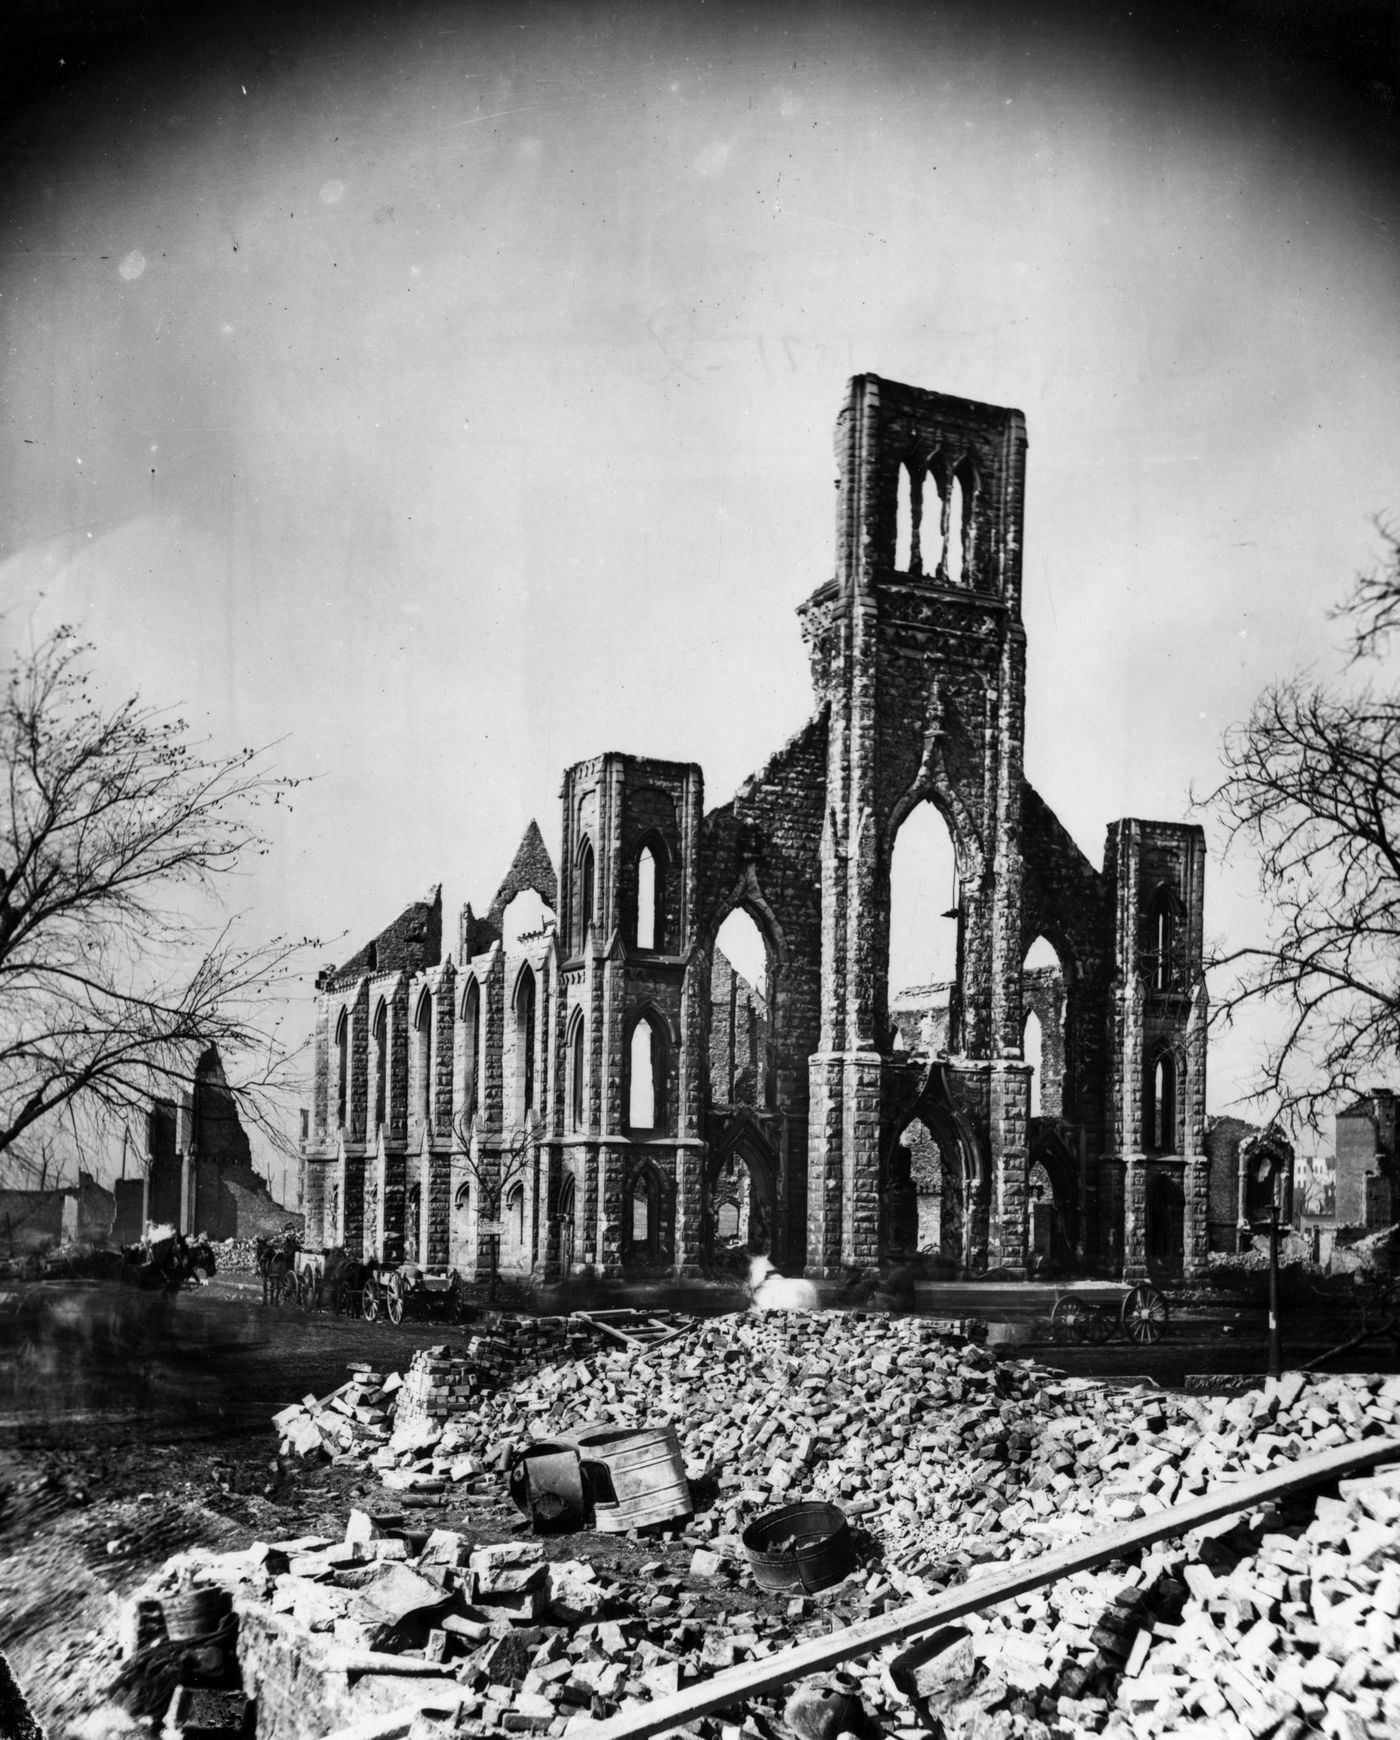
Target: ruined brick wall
{"x": 164, "y": 1163}
{"x": 1225, "y": 1197}
{"x": 220, "y": 1145}
{"x": 30, "y": 1220}
{"x": 1068, "y": 902}
{"x": 918, "y": 663}
{"x": 762, "y": 852}
{"x": 413, "y": 941}
{"x": 1358, "y": 1142}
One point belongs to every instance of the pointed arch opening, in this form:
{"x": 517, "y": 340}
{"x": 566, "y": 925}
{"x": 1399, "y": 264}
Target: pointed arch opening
{"x": 645, "y": 1231}
{"x": 647, "y": 881}
{"x": 907, "y": 514}
{"x": 924, "y": 962}
{"x": 1159, "y": 1118}
{"x": 423, "y": 1048}
{"x": 342, "y": 1067}
{"x": 379, "y": 1031}
{"x": 647, "y": 889}
{"x": 577, "y": 1082}
{"x": 959, "y": 545}
{"x": 1043, "y": 998}
{"x": 1162, "y": 938}
{"x": 514, "y": 1251}
{"x": 1033, "y": 1050}
{"x": 525, "y": 1034}
{"x": 743, "y": 965}
{"x": 647, "y": 1057}
{"x": 1054, "y": 1221}
{"x": 1164, "y": 1234}
{"x": 927, "y": 1195}
{"x": 584, "y": 882}
{"x": 471, "y": 1052}
{"x": 567, "y": 1224}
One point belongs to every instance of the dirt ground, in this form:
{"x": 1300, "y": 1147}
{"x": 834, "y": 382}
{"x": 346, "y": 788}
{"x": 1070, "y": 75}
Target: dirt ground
{"x": 131, "y": 1430}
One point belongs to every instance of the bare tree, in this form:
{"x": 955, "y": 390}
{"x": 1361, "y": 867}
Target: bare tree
{"x": 494, "y": 1171}
{"x": 115, "y": 830}
{"x": 1312, "y": 784}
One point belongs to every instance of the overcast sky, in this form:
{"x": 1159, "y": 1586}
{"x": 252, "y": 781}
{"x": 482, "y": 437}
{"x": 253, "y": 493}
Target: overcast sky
{"x": 447, "y": 394}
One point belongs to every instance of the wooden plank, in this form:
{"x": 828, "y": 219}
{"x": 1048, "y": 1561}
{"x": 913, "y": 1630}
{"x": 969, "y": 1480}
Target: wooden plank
{"x": 608, "y": 1329}
{"x": 868, "y": 1635}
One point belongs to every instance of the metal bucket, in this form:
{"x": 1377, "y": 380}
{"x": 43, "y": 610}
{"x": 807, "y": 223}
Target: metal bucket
{"x": 546, "y": 1483}
{"x": 802, "y": 1546}
{"x": 637, "y": 1478}
{"x": 197, "y": 1611}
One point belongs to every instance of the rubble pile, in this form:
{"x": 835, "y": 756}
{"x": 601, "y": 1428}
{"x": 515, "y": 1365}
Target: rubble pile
{"x": 354, "y": 1420}
{"x": 351, "y": 1420}
{"x": 237, "y": 1256}
{"x": 877, "y": 1414}
{"x": 1271, "y": 1622}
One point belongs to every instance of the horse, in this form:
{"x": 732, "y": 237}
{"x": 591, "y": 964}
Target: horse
{"x": 276, "y": 1261}
{"x": 341, "y": 1282}
{"x": 770, "y": 1291}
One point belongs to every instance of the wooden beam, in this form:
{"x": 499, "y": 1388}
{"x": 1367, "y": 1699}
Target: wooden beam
{"x": 770, "y": 1672}
{"x": 596, "y": 1322}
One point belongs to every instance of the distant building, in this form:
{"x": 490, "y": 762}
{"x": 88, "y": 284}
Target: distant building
{"x": 1366, "y": 1159}
{"x": 199, "y": 1170}
{"x": 34, "y": 1220}
{"x": 1316, "y": 1187}
{"x": 1244, "y": 1161}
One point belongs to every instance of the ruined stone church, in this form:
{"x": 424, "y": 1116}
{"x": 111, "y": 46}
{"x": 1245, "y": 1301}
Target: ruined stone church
{"x": 600, "y": 1088}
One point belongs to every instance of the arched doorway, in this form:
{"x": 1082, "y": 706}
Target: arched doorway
{"x": 931, "y": 1197}
{"x": 566, "y": 1228}
{"x": 742, "y": 1191}
{"x": 647, "y": 1219}
{"x": 1054, "y": 1220}
{"x": 1166, "y": 1224}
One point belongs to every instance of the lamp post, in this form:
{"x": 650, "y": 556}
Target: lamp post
{"x": 1271, "y": 1170}
{"x": 1275, "y": 1345}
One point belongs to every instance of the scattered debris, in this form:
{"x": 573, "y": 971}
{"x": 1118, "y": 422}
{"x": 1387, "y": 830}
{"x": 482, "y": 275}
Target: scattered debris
{"x": 943, "y": 1458}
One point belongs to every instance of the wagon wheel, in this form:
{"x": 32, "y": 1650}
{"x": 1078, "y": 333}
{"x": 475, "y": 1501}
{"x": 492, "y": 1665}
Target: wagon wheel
{"x": 287, "y": 1289}
{"x": 1098, "y": 1326}
{"x": 1067, "y": 1320}
{"x": 393, "y": 1297}
{"x": 369, "y": 1302}
{"x": 1144, "y": 1314}
{"x": 306, "y": 1289}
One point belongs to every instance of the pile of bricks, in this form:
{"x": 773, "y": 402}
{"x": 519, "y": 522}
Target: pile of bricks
{"x": 949, "y": 1459}
{"x": 237, "y": 1256}
{"x": 439, "y": 1385}
{"x": 1274, "y": 1622}
{"x": 351, "y": 1421}
{"x": 356, "y": 1419}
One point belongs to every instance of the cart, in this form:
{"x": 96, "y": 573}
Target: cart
{"x": 434, "y": 1295}
{"x": 1141, "y": 1316}
{"x": 383, "y": 1295}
